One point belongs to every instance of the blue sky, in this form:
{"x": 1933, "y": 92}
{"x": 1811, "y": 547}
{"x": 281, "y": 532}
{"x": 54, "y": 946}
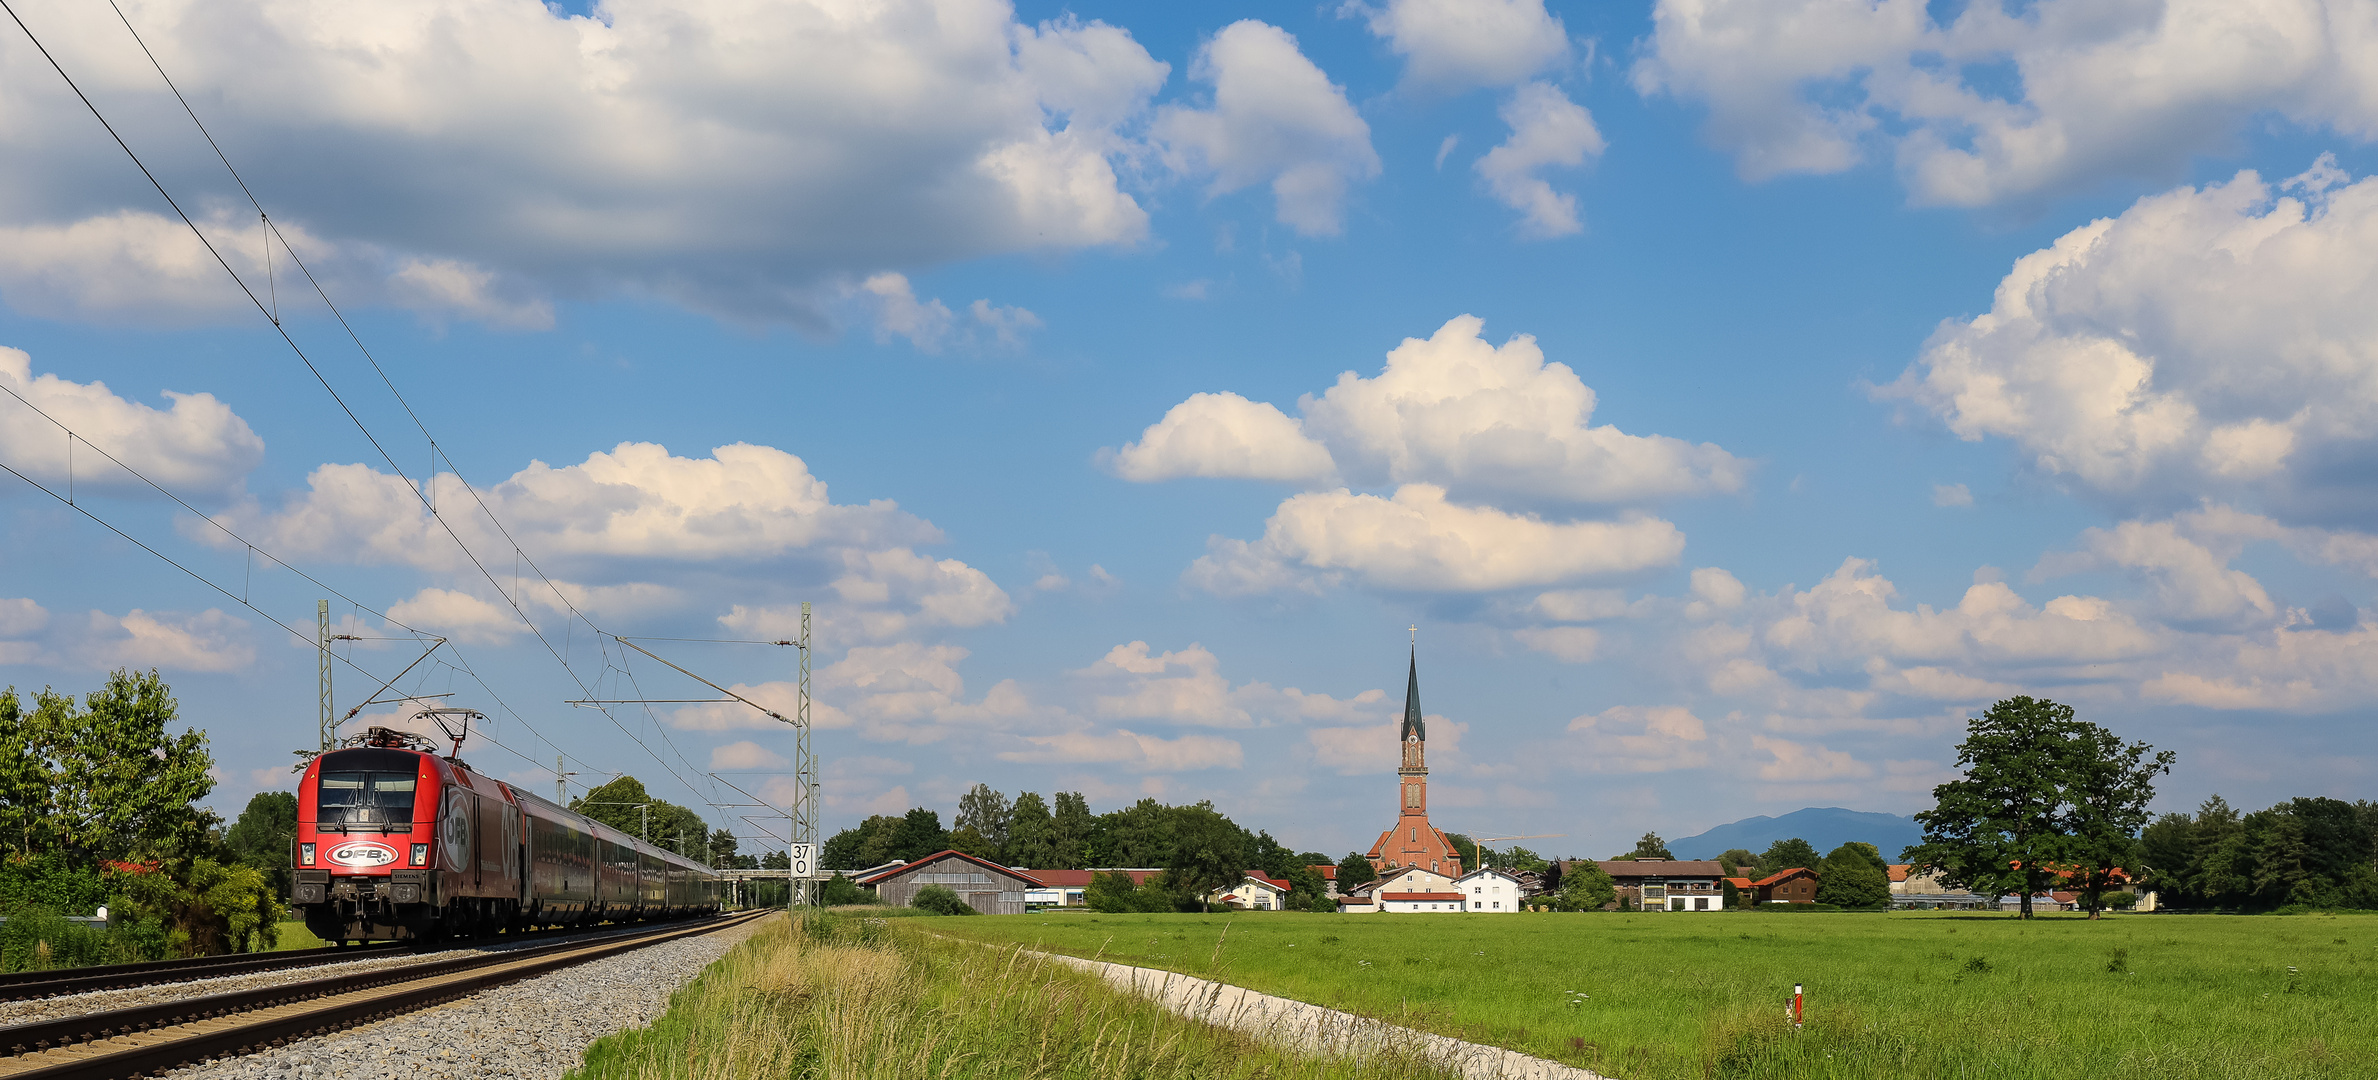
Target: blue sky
{"x": 1934, "y": 354}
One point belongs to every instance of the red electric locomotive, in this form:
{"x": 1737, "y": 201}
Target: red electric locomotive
{"x": 395, "y": 841}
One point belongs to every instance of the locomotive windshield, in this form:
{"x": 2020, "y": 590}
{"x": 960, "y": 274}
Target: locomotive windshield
{"x": 361, "y": 798}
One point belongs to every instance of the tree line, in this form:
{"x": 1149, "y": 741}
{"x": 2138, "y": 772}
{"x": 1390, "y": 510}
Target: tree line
{"x": 1198, "y": 848}
{"x": 2302, "y": 854}
{"x": 99, "y": 807}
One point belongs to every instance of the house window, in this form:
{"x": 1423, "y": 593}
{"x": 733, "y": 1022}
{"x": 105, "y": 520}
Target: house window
{"x": 1498, "y": 905}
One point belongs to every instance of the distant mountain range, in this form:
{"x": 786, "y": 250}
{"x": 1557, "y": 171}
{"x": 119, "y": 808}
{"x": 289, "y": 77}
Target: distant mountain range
{"x": 1824, "y": 827}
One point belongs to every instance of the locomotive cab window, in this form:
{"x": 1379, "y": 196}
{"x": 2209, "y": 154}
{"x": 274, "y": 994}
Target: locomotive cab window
{"x": 360, "y": 798}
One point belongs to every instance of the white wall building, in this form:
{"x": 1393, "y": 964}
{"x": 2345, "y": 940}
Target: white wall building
{"x": 1489, "y": 891}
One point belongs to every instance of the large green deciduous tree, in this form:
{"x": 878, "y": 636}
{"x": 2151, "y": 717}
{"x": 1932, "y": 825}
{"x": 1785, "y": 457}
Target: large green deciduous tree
{"x": 1208, "y": 852}
{"x": 2106, "y": 791}
{"x": 1651, "y": 847}
{"x": 1586, "y": 887}
{"x": 1070, "y": 831}
{"x": 1784, "y": 855}
{"x": 2001, "y": 824}
{"x": 1854, "y": 876}
{"x": 105, "y": 781}
{"x": 262, "y": 836}
{"x": 1031, "y": 835}
{"x": 2045, "y": 797}
{"x": 1355, "y": 870}
{"x": 987, "y": 813}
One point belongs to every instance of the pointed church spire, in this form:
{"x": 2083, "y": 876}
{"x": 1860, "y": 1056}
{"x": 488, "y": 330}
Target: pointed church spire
{"x": 1412, "y": 727}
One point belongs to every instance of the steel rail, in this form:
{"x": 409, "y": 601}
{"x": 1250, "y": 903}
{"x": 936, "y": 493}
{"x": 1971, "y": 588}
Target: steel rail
{"x": 57, "y": 982}
{"x": 150, "y": 1038}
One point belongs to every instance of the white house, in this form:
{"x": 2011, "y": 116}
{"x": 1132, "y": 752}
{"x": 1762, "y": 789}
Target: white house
{"x": 1411, "y": 889}
{"x": 1490, "y": 891}
{"x": 1255, "y": 893}
{"x": 1443, "y": 903}
{"x": 1412, "y": 879}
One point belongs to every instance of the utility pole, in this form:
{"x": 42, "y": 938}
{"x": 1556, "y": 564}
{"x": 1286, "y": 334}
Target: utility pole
{"x": 804, "y": 768}
{"x": 561, "y": 783}
{"x": 322, "y": 654}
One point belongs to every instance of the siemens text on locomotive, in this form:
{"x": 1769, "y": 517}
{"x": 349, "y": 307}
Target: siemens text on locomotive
{"x": 395, "y": 841}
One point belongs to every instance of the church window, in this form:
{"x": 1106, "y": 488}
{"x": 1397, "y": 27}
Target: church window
{"x": 1414, "y": 838}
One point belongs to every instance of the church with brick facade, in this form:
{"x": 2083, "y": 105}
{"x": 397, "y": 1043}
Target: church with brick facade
{"x": 1413, "y": 841}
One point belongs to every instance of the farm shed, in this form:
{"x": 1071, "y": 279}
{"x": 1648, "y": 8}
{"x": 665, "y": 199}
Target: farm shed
{"x": 986, "y": 886}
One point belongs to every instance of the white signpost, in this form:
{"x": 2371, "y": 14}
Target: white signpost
{"x": 804, "y": 860}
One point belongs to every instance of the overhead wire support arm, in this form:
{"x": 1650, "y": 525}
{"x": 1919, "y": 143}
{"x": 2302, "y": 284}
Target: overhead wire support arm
{"x": 703, "y": 681}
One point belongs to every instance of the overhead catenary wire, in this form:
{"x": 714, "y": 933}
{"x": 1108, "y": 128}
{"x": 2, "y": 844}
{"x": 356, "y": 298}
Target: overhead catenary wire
{"x": 424, "y": 490}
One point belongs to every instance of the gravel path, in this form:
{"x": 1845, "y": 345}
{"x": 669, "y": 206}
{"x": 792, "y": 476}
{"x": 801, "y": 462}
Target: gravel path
{"x": 536, "y": 1029}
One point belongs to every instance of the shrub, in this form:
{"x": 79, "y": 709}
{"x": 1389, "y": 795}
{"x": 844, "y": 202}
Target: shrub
{"x": 839, "y": 890}
{"x": 38, "y": 939}
{"x": 940, "y": 901}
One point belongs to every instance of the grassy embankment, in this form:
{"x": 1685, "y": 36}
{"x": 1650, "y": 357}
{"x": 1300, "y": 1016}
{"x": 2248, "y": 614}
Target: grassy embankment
{"x": 853, "y": 998}
{"x": 1900, "y": 996}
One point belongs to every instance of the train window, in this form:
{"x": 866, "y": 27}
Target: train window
{"x": 357, "y": 796}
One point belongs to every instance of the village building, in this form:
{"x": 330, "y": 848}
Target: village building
{"x": 1491, "y": 890}
{"x": 1797, "y": 885}
{"x": 986, "y": 886}
{"x": 1254, "y": 893}
{"x": 1912, "y": 890}
{"x": 1413, "y": 841}
{"x": 1668, "y": 884}
{"x": 1070, "y": 888}
{"x": 1329, "y": 878}
{"x": 1444, "y": 903}
{"x": 1417, "y": 885}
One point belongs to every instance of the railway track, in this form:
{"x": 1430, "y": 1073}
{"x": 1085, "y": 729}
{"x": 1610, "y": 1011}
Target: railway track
{"x": 29, "y": 985}
{"x": 145, "y": 1039}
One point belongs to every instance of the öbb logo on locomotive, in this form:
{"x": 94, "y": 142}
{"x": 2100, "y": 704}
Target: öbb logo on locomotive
{"x": 362, "y": 853}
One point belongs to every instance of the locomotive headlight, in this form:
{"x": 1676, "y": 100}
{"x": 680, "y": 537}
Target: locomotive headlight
{"x": 421, "y": 854}
{"x": 305, "y": 854}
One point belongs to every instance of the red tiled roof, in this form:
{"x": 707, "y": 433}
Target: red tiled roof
{"x": 1898, "y": 871}
{"x": 1740, "y": 883}
{"x": 1328, "y": 871}
{"x": 1446, "y": 896}
{"x": 1781, "y": 875}
{"x": 1060, "y": 879}
{"x": 1641, "y": 868}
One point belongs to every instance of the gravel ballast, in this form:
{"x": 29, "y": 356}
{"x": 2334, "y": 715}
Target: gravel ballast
{"x": 536, "y": 1029}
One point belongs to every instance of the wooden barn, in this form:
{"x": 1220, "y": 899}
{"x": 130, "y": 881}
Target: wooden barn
{"x": 986, "y": 886}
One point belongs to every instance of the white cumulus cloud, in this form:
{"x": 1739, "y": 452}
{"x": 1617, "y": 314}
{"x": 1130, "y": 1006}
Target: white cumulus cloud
{"x": 1275, "y": 118}
{"x": 1225, "y": 435}
{"x": 2001, "y": 104}
{"x": 1547, "y": 129}
{"x": 1483, "y": 421}
{"x": 196, "y": 444}
{"x": 2216, "y": 341}
{"x": 1417, "y": 540}
{"x": 1460, "y": 44}
{"x": 481, "y": 157}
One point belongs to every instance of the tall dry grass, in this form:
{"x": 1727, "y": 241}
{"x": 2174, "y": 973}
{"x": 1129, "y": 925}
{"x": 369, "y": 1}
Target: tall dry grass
{"x": 843, "y": 998}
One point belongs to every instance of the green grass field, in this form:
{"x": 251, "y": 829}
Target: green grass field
{"x": 1899, "y": 996}
{"x": 848, "y": 998}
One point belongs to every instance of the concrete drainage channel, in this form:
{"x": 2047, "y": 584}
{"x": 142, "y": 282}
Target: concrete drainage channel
{"x": 151, "y": 1038}
{"x": 1315, "y": 1029}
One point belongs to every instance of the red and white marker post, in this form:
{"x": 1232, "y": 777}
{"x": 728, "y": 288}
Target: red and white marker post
{"x": 1795, "y": 1006}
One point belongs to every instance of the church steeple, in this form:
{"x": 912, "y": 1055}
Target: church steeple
{"x": 1412, "y": 727}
